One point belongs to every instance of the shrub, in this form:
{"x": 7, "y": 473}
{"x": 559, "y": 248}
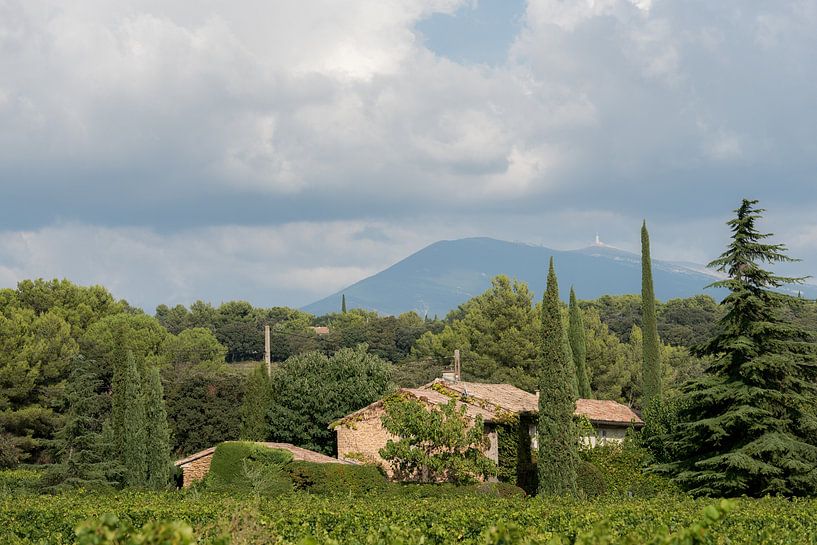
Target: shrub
{"x": 499, "y": 490}
{"x": 15, "y": 481}
{"x": 590, "y": 480}
{"x": 239, "y": 466}
{"x": 625, "y": 468}
{"x": 337, "y": 479}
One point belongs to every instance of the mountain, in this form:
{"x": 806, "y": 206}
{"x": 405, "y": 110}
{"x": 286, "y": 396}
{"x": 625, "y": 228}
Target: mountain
{"x": 445, "y": 274}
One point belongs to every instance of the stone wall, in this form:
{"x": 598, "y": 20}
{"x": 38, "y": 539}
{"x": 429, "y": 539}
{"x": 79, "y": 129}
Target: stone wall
{"x": 196, "y": 470}
{"x": 361, "y": 439}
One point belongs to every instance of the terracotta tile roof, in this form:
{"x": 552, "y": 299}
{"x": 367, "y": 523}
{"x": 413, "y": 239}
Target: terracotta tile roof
{"x": 511, "y": 398}
{"x": 298, "y": 454}
{"x": 320, "y": 330}
{"x": 503, "y": 396}
{"x": 607, "y": 411}
{"x": 437, "y": 398}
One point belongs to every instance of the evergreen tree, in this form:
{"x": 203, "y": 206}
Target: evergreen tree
{"x": 81, "y": 449}
{"x": 128, "y": 426}
{"x": 157, "y": 432}
{"x": 558, "y": 439}
{"x": 256, "y": 404}
{"x": 343, "y": 303}
{"x": 748, "y": 426}
{"x": 652, "y": 348}
{"x": 579, "y": 347}
{"x": 571, "y": 367}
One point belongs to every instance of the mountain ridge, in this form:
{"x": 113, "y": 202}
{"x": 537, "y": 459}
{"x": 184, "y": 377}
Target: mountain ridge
{"x": 438, "y": 278}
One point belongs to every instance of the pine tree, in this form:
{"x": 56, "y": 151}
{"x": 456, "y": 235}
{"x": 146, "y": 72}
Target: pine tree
{"x": 748, "y": 426}
{"x": 557, "y": 434}
{"x": 256, "y": 404}
{"x": 81, "y": 449}
{"x": 579, "y": 347}
{"x": 652, "y": 350}
{"x": 157, "y": 432}
{"x": 128, "y": 426}
{"x": 343, "y": 303}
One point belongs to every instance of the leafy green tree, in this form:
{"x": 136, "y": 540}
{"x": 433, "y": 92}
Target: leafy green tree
{"x": 558, "y": 437}
{"x": 203, "y": 407}
{"x": 157, "y": 433}
{"x": 311, "y": 390}
{"x": 257, "y": 400}
{"x": 81, "y": 449}
{"x": 496, "y": 332}
{"x": 579, "y": 347}
{"x": 748, "y": 426}
{"x": 434, "y": 444}
{"x": 128, "y": 421}
{"x": 194, "y": 346}
{"x": 175, "y": 319}
{"x": 652, "y": 348}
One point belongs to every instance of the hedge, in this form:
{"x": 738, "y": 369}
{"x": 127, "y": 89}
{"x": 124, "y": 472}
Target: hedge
{"x": 240, "y": 466}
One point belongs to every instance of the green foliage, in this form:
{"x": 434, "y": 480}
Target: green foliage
{"x": 257, "y": 400}
{"x": 82, "y": 452}
{"x": 434, "y": 444}
{"x": 110, "y": 530}
{"x": 557, "y": 401}
{"x": 157, "y": 433}
{"x": 748, "y": 426}
{"x": 203, "y": 407}
{"x": 578, "y": 347}
{"x": 428, "y": 515}
{"x": 337, "y": 479}
{"x": 128, "y": 421}
{"x": 497, "y": 333}
{"x": 240, "y": 466}
{"x": 652, "y": 375}
{"x": 590, "y": 480}
{"x": 626, "y": 468}
{"x": 194, "y": 346}
{"x": 311, "y": 390}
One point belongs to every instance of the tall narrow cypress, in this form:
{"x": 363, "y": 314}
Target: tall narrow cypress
{"x": 651, "y": 349}
{"x": 128, "y": 414}
{"x": 256, "y": 404}
{"x": 343, "y": 303}
{"x": 157, "y": 432}
{"x": 579, "y": 346}
{"x": 558, "y": 439}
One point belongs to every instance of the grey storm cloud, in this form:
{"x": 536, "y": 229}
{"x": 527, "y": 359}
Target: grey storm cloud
{"x": 143, "y": 134}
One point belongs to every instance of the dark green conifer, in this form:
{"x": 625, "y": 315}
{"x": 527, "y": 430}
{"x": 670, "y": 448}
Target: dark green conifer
{"x": 558, "y": 440}
{"x": 82, "y": 460}
{"x": 157, "y": 433}
{"x": 128, "y": 425}
{"x": 748, "y": 426}
{"x": 343, "y": 303}
{"x": 651, "y": 348}
{"x": 579, "y": 347}
{"x": 256, "y": 404}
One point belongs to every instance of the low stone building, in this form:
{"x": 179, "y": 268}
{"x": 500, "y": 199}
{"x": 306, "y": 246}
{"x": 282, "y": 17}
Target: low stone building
{"x": 196, "y": 466}
{"x": 361, "y": 434}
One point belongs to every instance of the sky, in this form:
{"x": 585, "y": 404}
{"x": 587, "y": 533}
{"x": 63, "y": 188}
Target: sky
{"x": 278, "y": 151}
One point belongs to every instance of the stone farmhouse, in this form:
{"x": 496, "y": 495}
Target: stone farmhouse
{"x": 361, "y": 435}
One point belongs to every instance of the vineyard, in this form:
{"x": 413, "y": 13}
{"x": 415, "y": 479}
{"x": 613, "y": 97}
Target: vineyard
{"x": 402, "y": 516}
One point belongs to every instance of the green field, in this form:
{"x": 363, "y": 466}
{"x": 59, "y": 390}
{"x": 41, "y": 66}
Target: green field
{"x": 410, "y": 515}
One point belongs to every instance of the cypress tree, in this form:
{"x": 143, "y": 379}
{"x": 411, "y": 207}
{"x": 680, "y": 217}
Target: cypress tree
{"x": 558, "y": 439}
{"x": 343, "y": 303}
{"x": 571, "y": 367}
{"x": 651, "y": 362}
{"x": 256, "y": 404}
{"x": 579, "y": 346}
{"x": 157, "y": 432}
{"x": 748, "y": 426}
{"x": 128, "y": 426}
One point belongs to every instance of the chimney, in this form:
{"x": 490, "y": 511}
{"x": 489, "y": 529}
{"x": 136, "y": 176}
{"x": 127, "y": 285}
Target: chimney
{"x": 457, "y": 366}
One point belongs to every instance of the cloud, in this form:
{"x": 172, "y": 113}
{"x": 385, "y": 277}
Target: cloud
{"x": 159, "y": 130}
